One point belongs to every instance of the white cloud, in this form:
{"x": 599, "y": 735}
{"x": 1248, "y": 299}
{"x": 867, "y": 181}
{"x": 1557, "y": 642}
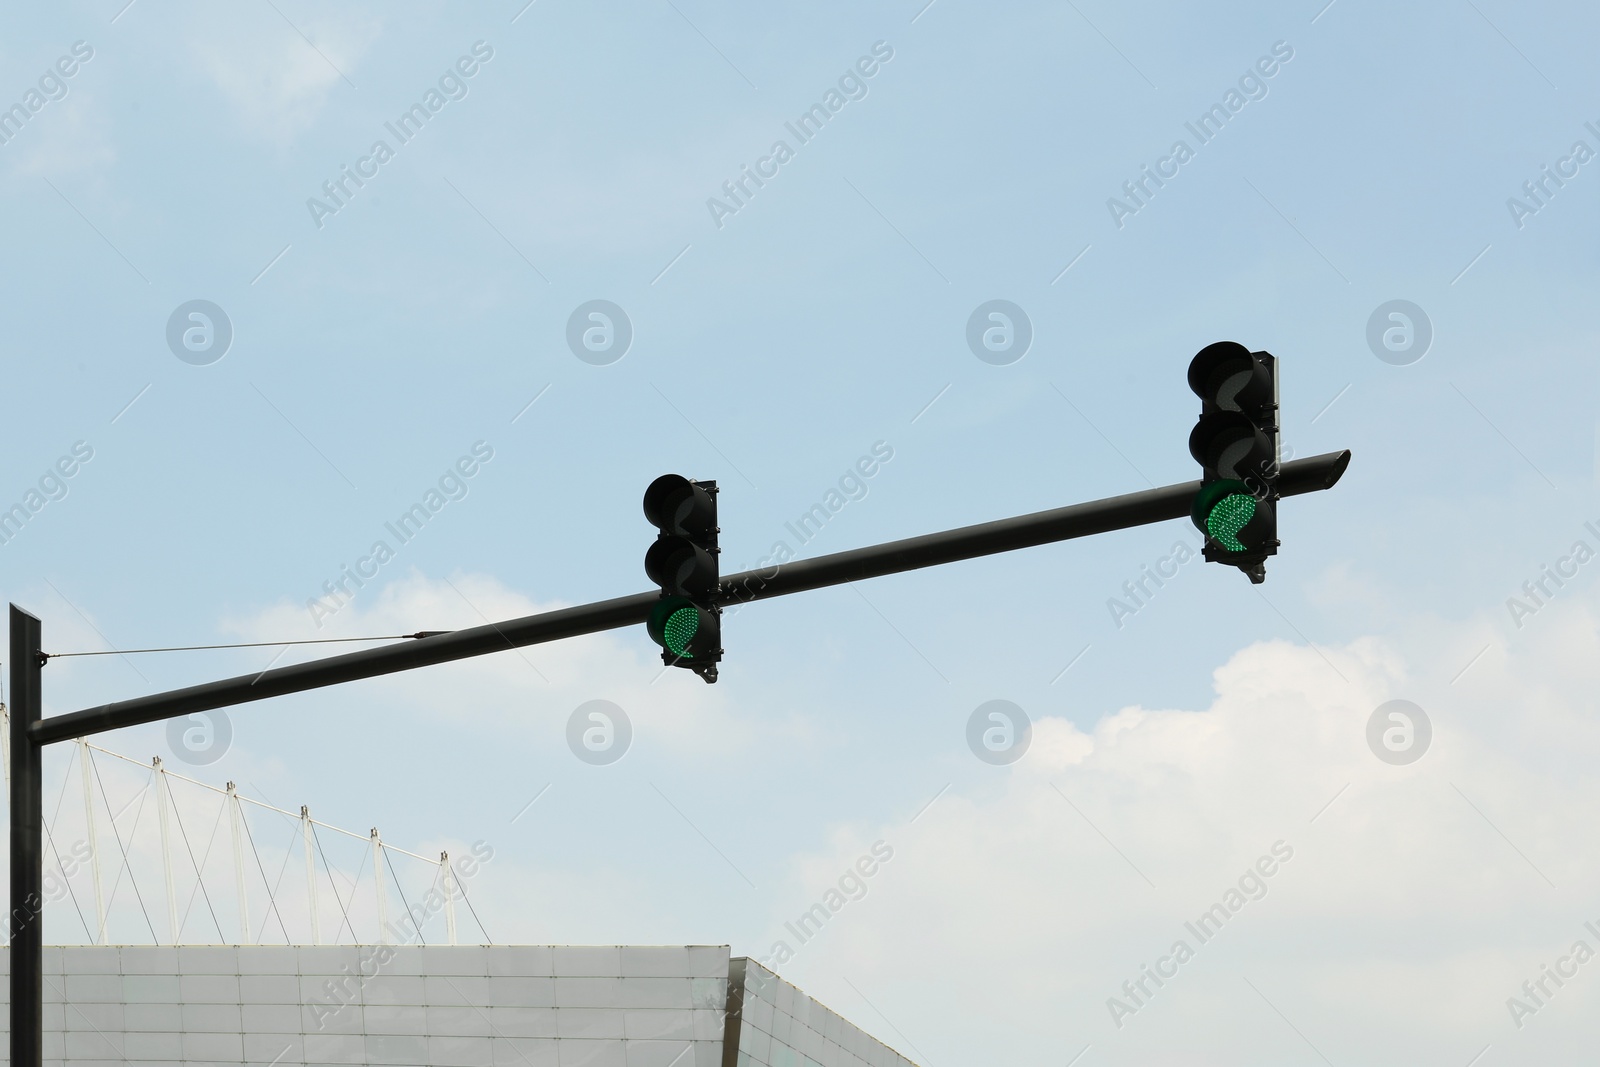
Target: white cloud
{"x": 68, "y": 137}
{"x": 276, "y": 80}
{"x": 497, "y": 691}
{"x": 1412, "y": 907}
{"x": 1416, "y": 901}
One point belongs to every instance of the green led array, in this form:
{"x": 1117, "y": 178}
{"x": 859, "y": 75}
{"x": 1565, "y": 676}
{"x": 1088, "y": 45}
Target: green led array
{"x": 1228, "y": 516}
{"x": 680, "y": 629}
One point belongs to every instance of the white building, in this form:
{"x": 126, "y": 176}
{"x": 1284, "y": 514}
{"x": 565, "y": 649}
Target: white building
{"x": 455, "y": 1006}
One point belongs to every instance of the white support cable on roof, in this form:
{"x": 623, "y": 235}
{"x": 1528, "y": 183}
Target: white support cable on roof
{"x": 235, "y": 813}
{"x": 199, "y": 865}
{"x": 270, "y": 807}
{"x": 126, "y": 867}
{"x": 404, "y": 902}
{"x": 94, "y": 844}
{"x": 344, "y": 911}
{"x": 311, "y": 875}
{"x": 449, "y": 897}
{"x": 241, "y": 836}
{"x": 166, "y": 846}
{"x": 272, "y": 888}
{"x": 377, "y": 880}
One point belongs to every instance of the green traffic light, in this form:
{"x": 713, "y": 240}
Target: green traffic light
{"x": 678, "y": 631}
{"x": 1224, "y": 510}
{"x": 682, "y": 627}
{"x": 1230, "y": 515}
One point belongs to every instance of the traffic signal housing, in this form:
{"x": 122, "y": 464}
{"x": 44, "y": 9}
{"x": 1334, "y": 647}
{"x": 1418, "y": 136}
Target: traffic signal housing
{"x": 686, "y": 622}
{"x": 1235, "y": 442}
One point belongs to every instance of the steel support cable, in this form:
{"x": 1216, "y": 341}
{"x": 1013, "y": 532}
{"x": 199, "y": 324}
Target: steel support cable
{"x": 51, "y": 838}
{"x": 127, "y": 863}
{"x": 463, "y": 886}
{"x": 403, "y": 899}
{"x": 288, "y": 851}
{"x": 199, "y": 879}
{"x": 289, "y": 815}
{"x": 271, "y": 899}
{"x": 328, "y": 867}
{"x": 294, "y": 821}
{"x": 361, "y": 870}
{"x": 122, "y": 848}
{"x": 66, "y": 779}
{"x": 199, "y": 865}
{"x": 205, "y": 862}
{"x": 144, "y": 794}
{"x": 272, "y": 890}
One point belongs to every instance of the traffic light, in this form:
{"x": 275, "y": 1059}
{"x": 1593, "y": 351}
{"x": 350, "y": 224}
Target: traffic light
{"x": 686, "y": 622}
{"x": 1236, "y": 444}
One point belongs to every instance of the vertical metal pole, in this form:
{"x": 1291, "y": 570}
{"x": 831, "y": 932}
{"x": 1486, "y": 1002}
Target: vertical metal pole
{"x": 238, "y": 864}
{"x": 163, "y": 795}
{"x": 377, "y": 871}
{"x": 449, "y": 898}
{"x": 311, "y": 876}
{"x": 26, "y": 918}
{"x": 94, "y": 842}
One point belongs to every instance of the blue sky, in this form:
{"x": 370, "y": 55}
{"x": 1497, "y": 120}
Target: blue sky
{"x": 373, "y": 350}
